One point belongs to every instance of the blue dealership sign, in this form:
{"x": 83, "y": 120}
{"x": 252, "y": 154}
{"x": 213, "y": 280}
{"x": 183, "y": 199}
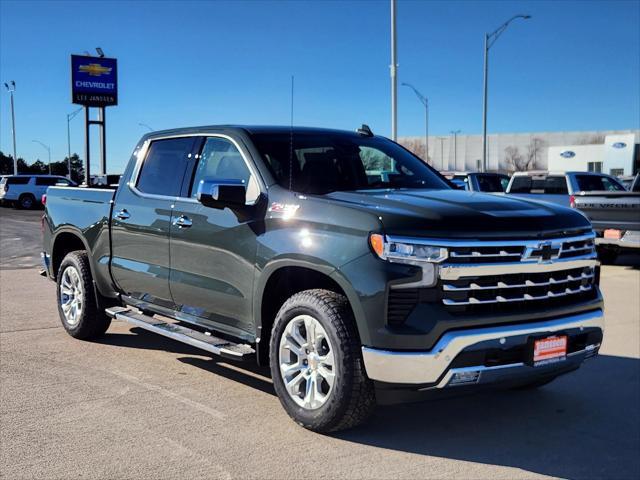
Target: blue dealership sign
{"x": 94, "y": 81}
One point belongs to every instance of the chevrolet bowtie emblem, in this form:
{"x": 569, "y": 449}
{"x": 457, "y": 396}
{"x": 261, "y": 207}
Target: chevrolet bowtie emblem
{"x": 95, "y": 69}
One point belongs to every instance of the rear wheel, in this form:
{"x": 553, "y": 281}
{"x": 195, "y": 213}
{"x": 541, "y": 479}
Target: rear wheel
{"x": 77, "y": 304}
{"x": 26, "y": 201}
{"x": 316, "y": 363}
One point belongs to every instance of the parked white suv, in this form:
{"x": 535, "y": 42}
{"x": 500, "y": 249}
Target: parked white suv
{"x": 25, "y": 191}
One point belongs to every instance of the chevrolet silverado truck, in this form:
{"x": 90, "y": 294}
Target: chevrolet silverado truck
{"x": 615, "y": 216}
{"x": 339, "y": 259}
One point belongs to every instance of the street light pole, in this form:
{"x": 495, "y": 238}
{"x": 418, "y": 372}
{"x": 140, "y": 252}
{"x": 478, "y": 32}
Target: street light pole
{"x": 425, "y": 101}
{"x": 70, "y": 116}
{"x": 11, "y": 87}
{"x": 394, "y": 81}
{"x": 455, "y": 148}
{"x": 48, "y": 151}
{"x": 442, "y": 139}
{"x": 489, "y": 40}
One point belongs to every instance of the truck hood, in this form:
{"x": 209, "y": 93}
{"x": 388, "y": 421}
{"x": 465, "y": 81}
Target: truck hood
{"x": 445, "y": 213}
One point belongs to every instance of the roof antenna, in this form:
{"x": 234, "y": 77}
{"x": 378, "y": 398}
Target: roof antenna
{"x": 291, "y": 142}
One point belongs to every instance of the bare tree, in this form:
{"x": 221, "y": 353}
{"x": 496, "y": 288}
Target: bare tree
{"x": 414, "y": 145}
{"x": 518, "y": 162}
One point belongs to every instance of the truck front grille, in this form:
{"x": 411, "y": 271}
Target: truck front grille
{"x": 517, "y": 287}
{"x": 493, "y": 278}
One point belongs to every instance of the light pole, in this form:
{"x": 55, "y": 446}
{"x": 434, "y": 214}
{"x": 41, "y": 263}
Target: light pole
{"x": 489, "y": 40}
{"x": 455, "y": 148}
{"x": 11, "y": 87}
{"x": 70, "y": 116}
{"x": 394, "y": 69}
{"x": 425, "y": 101}
{"x": 442, "y": 139}
{"x": 48, "y": 151}
{"x": 146, "y": 126}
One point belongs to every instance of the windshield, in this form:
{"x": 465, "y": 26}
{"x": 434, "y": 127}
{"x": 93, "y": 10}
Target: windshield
{"x": 321, "y": 163}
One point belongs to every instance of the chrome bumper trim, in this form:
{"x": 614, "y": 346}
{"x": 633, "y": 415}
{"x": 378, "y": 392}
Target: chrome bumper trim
{"x": 631, "y": 239}
{"x": 455, "y": 272}
{"x": 427, "y": 367}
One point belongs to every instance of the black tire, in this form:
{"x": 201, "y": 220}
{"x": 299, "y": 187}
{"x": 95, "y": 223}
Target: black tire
{"x": 541, "y": 382}
{"x": 352, "y": 397}
{"x": 91, "y": 322}
{"x": 26, "y": 201}
{"x": 607, "y": 256}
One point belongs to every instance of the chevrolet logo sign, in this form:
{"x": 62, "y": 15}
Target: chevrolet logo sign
{"x": 95, "y": 69}
{"x": 544, "y": 252}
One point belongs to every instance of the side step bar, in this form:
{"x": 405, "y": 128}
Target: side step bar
{"x": 195, "y": 338}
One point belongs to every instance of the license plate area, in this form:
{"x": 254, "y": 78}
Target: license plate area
{"x": 548, "y": 349}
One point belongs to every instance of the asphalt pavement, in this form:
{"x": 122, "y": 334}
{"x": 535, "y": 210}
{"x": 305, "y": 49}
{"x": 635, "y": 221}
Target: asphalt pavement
{"x": 137, "y": 405}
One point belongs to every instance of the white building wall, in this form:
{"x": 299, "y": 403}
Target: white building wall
{"x": 469, "y": 147}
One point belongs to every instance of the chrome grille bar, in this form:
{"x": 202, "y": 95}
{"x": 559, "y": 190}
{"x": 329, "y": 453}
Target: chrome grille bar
{"x": 523, "y": 298}
{"x": 528, "y": 283}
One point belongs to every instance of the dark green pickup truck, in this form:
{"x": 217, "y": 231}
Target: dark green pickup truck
{"x": 338, "y": 258}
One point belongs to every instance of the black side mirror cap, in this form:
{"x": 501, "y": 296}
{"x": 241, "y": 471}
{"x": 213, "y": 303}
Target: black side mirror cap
{"x": 222, "y": 193}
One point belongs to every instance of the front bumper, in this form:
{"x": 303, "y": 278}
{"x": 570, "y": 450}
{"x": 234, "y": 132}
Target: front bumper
{"x": 435, "y": 368}
{"x": 630, "y": 239}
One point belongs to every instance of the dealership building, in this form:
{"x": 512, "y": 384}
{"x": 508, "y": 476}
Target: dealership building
{"x": 609, "y": 151}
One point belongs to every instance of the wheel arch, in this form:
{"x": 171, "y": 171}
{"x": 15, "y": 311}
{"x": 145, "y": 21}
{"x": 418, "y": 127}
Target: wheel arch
{"x": 281, "y": 280}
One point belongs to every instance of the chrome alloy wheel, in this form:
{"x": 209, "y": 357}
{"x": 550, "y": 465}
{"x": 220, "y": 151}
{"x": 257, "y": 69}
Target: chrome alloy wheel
{"x": 307, "y": 362}
{"x": 71, "y": 296}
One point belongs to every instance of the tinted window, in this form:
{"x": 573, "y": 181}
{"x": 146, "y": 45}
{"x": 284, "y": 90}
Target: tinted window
{"x": 18, "y": 180}
{"x": 51, "y": 181}
{"x": 520, "y": 185}
{"x": 164, "y": 166}
{"x": 320, "y": 163}
{"x": 490, "y": 183}
{"x": 222, "y": 160}
{"x": 587, "y": 183}
{"x": 556, "y": 186}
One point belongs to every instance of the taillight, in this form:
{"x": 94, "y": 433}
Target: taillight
{"x": 572, "y": 201}
{"x": 43, "y": 199}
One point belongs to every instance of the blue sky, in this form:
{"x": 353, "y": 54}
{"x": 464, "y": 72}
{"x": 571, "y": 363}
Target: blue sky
{"x": 573, "y": 66}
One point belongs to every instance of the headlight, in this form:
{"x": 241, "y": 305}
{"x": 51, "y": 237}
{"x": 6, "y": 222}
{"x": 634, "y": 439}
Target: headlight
{"x": 406, "y": 251}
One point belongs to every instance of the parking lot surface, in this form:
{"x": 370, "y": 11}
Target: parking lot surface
{"x": 137, "y": 405}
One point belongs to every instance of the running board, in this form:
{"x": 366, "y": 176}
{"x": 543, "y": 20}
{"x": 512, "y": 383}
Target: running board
{"x": 195, "y": 338}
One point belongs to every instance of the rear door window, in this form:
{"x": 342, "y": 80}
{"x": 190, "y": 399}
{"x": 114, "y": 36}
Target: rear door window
{"x": 18, "y": 180}
{"x": 490, "y": 183}
{"x": 589, "y": 183}
{"x": 48, "y": 181}
{"x": 165, "y": 165}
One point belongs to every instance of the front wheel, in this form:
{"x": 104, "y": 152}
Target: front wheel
{"x": 316, "y": 363}
{"x": 77, "y": 306}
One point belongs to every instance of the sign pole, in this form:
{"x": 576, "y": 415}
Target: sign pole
{"x": 102, "y": 118}
{"x": 87, "y": 150}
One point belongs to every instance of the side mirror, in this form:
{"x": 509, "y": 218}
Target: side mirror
{"x": 221, "y": 193}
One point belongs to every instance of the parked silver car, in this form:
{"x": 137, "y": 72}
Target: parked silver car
{"x": 559, "y": 187}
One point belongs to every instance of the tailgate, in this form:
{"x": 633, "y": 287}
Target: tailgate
{"x": 620, "y": 210}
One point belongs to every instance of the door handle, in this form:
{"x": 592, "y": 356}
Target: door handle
{"x": 183, "y": 222}
{"x": 122, "y": 214}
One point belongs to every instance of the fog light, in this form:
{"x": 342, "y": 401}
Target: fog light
{"x": 465, "y": 377}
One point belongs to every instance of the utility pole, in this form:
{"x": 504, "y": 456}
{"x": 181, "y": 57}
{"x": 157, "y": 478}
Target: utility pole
{"x": 394, "y": 70}
{"x": 11, "y": 87}
{"x": 489, "y": 40}
{"x": 70, "y": 116}
{"x": 455, "y": 148}
{"x": 425, "y": 101}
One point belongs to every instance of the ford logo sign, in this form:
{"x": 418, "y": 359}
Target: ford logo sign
{"x": 568, "y": 154}
{"x": 619, "y": 145}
